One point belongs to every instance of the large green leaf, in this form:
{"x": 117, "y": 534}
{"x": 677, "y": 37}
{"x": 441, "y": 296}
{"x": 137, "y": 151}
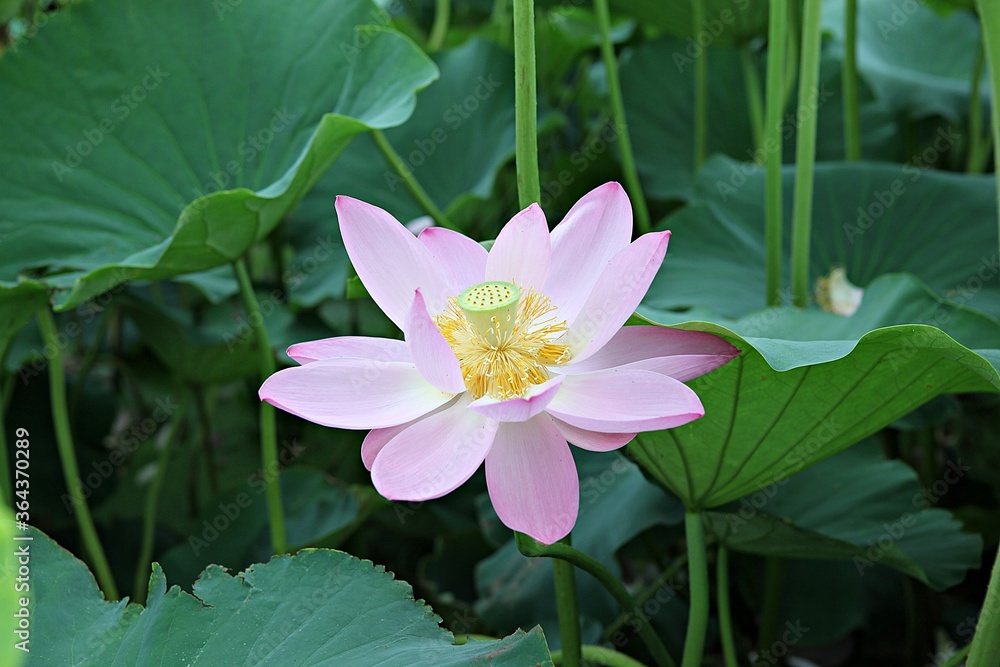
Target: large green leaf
{"x": 319, "y": 607}
{"x": 809, "y": 384}
{"x": 151, "y": 139}
{"x": 461, "y": 133}
{"x": 857, "y": 506}
{"x": 894, "y": 58}
{"x": 869, "y": 218}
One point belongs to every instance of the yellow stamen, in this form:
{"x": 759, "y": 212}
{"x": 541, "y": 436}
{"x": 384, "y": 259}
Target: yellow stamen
{"x": 504, "y": 341}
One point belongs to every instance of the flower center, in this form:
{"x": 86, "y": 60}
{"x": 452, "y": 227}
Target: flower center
{"x": 504, "y": 339}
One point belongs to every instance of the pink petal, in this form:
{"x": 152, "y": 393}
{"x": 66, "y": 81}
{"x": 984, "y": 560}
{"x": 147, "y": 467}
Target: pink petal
{"x": 624, "y": 401}
{"x": 434, "y": 456}
{"x": 620, "y": 289}
{"x": 356, "y": 347}
{"x": 390, "y": 261}
{"x": 353, "y": 393}
{"x": 592, "y": 440}
{"x": 462, "y": 261}
{"x": 597, "y": 228}
{"x": 532, "y": 480}
{"x": 521, "y": 252}
{"x": 378, "y": 438}
{"x": 519, "y": 409}
{"x": 683, "y": 355}
{"x": 431, "y": 353}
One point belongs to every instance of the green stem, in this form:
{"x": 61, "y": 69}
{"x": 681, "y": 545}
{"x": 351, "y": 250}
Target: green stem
{"x": 978, "y": 145}
{"x": 268, "y": 431}
{"x": 651, "y": 590}
{"x": 593, "y": 567}
{"x": 770, "y": 602}
{"x": 700, "y": 90}
{"x": 805, "y": 152}
{"x": 849, "y": 80}
{"x": 442, "y": 16}
{"x": 725, "y": 610}
{"x": 140, "y": 588}
{"x": 989, "y": 17}
{"x": 67, "y": 455}
{"x": 567, "y": 609}
{"x": 694, "y": 641}
{"x": 956, "y": 660}
{"x": 755, "y": 103}
{"x": 629, "y": 170}
{"x": 601, "y": 656}
{"x": 776, "y": 36}
{"x": 529, "y": 189}
{"x": 409, "y": 182}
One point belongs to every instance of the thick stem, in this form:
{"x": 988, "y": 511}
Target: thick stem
{"x": 567, "y": 609}
{"x": 409, "y": 182}
{"x": 629, "y": 170}
{"x": 849, "y": 80}
{"x": 989, "y": 17}
{"x": 978, "y": 144}
{"x": 805, "y": 152}
{"x": 776, "y": 36}
{"x": 593, "y": 567}
{"x": 442, "y": 16}
{"x": 525, "y": 104}
{"x": 770, "y": 602}
{"x": 140, "y": 588}
{"x": 755, "y": 103}
{"x": 700, "y": 89}
{"x": 67, "y": 455}
{"x": 268, "y": 430}
{"x": 725, "y": 610}
{"x": 600, "y": 656}
{"x": 694, "y": 641}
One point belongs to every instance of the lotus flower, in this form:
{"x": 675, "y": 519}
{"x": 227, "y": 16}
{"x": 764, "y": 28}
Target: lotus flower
{"x": 508, "y": 354}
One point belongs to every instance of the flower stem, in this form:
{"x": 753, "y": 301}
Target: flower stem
{"x": 694, "y": 641}
{"x": 629, "y": 170}
{"x": 979, "y": 147}
{"x": 755, "y": 104}
{"x": 770, "y": 601}
{"x": 725, "y": 610}
{"x": 568, "y": 610}
{"x": 849, "y": 80}
{"x": 805, "y": 152}
{"x": 593, "y": 567}
{"x": 268, "y": 430}
{"x": 409, "y": 182}
{"x": 442, "y": 16}
{"x": 140, "y": 588}
{"x": 650, "y": 591}
{"x": 700, "y": 89}
{"x": 776, "y": 36}
{"x": 989, "y": 17}
{"x": 67, "y": 455}
{"x": 599, "y": 655}
{"x": 525, "y": 104}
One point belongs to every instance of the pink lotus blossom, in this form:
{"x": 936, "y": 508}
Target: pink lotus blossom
{"x": 508, "y": 354}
